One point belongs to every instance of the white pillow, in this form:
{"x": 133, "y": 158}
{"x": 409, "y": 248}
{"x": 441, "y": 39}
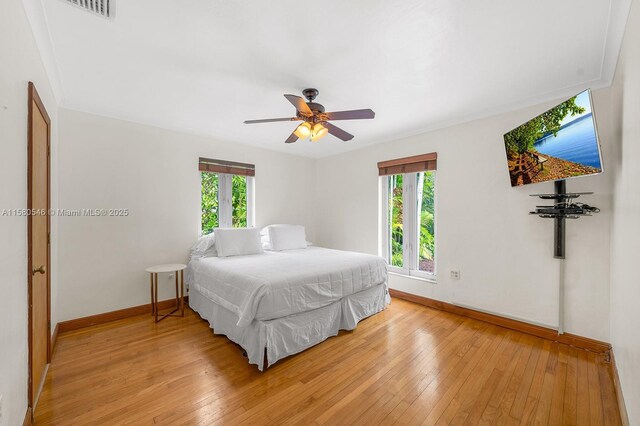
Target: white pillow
{"x": 265, "y": 231}
{"x": 237, "y": 241}
{"x": 266, "y": 242}
{"x": 287, "y": 237}
{"x": 204, "y": 247}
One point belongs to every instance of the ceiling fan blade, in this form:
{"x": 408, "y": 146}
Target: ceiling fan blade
{"x": 337, "y": 131}
{"x": 355, "y": 114}
{"x": 292, "y": 138}
{"x": 271, "y": 120}
{"x": 300, "y": 105}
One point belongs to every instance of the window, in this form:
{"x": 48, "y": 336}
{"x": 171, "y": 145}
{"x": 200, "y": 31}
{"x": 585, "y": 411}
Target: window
{"x": 408, "y": 214}
{"x": 227, "y": 194}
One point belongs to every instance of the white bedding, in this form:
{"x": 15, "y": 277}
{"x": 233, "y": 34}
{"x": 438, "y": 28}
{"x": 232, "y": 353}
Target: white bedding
{"x": 286, "y": 336}
{"x": 277, "y": 284}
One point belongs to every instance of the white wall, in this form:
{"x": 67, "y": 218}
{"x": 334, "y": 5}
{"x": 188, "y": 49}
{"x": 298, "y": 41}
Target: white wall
{"x": 625, "y": 235}
{"x": 108, "y": 163}
{"x": 505, "y": 255}
{"x": 20, "y": 63}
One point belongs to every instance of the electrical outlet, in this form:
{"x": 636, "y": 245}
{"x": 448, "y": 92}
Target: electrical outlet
{"x": 454, "y": 275}
{"x": 171, "y": 276}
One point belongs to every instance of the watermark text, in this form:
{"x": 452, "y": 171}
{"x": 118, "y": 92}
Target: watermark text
{"x": 65, "y": 212}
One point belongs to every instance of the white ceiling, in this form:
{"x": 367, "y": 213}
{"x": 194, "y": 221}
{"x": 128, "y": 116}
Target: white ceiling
{"x": 205, "y": 66}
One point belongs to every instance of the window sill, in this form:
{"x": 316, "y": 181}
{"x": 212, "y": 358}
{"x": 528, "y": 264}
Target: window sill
{"x": 414, "y": 277}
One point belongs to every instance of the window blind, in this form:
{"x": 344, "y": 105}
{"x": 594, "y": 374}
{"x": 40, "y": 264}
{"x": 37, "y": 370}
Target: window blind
{"x": 417, "y": 163}
{"x": 229, "y": 167}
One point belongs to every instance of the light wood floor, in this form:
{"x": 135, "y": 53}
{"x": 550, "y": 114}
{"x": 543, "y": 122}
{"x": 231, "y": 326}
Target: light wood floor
{"x": 409, "y": 364}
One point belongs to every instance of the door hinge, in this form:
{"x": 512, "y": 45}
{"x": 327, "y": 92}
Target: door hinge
{"x": 49, "y": 325}
{"x": 48, "y": 150}
{"x": 49, "y": 238}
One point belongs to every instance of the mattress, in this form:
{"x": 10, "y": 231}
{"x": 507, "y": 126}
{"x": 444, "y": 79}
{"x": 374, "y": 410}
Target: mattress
{"x": 278, "y": 284}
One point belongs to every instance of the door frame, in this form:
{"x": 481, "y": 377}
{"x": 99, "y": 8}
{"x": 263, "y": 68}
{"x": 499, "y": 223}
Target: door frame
{"x": 34, "y": 98}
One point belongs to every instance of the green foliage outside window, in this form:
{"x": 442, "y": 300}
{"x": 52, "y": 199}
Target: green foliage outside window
{"x": 395, "y": 201}
{"x": 210, "y": 215}
{"x": 426, "y": 212}
{"x": 426, "y": 246}
{"x": 239, "y": 201}
{"x": 209, "y": 202}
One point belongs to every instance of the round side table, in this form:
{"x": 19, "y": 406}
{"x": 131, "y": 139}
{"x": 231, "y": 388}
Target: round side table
{"x": 178, "y": 270}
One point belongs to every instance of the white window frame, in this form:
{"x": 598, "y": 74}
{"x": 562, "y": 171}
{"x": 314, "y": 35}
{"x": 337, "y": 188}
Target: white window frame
{"x": 225, "y": 209}
{"x": 251, "y": 201}
{"x": 410, "y": 228}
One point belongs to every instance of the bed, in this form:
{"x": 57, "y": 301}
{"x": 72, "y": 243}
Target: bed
{"x": 279, "y": 303}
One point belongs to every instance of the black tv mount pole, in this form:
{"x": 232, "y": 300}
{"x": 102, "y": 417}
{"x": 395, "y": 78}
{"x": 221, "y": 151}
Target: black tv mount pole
{"x": 563, "y": 208}
{"x": 560, "y": 224}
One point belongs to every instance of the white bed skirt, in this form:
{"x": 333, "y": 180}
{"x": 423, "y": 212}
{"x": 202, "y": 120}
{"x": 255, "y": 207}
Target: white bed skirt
{"x": 292, "y": 334}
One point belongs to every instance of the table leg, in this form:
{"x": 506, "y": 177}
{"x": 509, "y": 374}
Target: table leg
{"x": 155, "y": 293}
{"x": 182, "y": 292}
{"x": 151, "y": 288}
{"x": 177, "y": 296}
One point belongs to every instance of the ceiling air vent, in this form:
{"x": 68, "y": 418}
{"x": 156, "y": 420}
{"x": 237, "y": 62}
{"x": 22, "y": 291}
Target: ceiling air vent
{"x": 102, "y": 8}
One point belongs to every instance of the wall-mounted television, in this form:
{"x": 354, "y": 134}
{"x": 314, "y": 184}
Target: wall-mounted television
{"x": 558, "y": 144}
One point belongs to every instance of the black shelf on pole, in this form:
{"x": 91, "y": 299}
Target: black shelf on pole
{"x": 564, "y": 208}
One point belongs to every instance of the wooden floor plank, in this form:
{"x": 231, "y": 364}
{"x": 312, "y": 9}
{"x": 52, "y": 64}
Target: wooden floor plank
{"x": 559, "y": 387}
{"x": 409, "y": 364}
{"x": 415, "y": 380}
{"x": 595, "y": 399}
{"x": 451, "y": 357}
{"x": 465, "y": 399}
{"x": 502, "y": 366}
{"x": 434, "y": 385}
{"x": 450, "y": 390}
{"x": 570, "y": 409}
{"x": 505, "y": 402}
{"x": 610, "y": 408}
{"x": 582, "y": 400}
{"x": 543, "y": 408}
{"x": 535, "y": 390}
{"x": 520, "y": 399}
{"x": 491, "y": 413}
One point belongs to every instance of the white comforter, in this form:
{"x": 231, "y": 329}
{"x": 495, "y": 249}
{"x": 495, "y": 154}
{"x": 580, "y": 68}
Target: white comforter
{"x": 277, "y": 284}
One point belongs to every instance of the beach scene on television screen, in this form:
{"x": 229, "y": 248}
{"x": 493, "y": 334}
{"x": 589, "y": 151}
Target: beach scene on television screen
{"x": 558, "y": 144}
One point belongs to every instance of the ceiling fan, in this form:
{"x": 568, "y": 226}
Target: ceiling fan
{"x": 315, "y": 122}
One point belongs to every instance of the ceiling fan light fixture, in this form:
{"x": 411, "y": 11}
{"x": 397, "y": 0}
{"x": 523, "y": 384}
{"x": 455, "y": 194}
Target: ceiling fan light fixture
{"x": 303, "y": 131}
{"x": 318, "y": 132}
{"x": 316, "y": 123}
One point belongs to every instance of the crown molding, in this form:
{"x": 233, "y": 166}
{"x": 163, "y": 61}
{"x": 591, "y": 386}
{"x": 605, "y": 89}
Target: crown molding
{"x": 617, "y": 24}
